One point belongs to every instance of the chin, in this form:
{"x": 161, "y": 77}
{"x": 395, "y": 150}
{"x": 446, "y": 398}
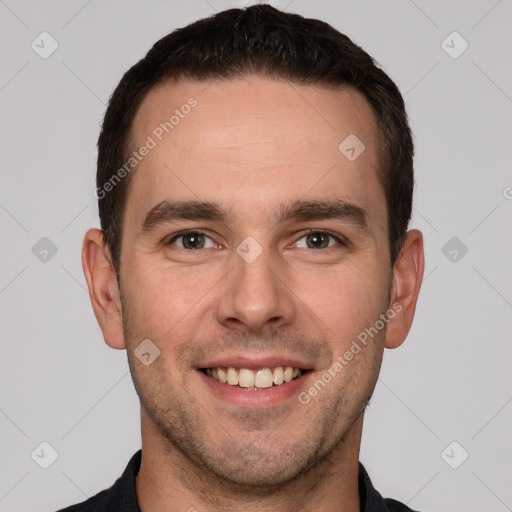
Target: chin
{"x": 258, "y": 473}
{"x": 261, "y": 464}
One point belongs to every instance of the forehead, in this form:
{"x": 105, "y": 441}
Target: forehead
{"x": 254, "y": 138}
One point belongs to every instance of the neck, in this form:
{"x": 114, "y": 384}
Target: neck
{"x": 169, "y": 481}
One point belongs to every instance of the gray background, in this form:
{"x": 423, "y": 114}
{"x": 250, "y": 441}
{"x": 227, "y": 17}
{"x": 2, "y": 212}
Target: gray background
{"x": 450, "y": 381}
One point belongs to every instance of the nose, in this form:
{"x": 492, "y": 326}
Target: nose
{"x": 254, "y": 295}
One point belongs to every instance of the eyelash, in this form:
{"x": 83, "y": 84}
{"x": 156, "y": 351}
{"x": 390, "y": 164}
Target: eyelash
{"x": 339, "y": 239}
{"x": 182, "y": 234}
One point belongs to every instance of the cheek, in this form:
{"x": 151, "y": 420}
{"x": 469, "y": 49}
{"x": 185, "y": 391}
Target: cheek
{"x": 165, "y": 302}
{"x": 345, "y": 301}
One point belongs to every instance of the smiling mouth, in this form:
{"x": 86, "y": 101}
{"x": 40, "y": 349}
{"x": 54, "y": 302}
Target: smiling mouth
{"x": 254, "y": 380}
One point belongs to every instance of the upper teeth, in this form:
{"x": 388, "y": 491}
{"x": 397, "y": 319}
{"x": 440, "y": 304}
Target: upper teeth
{"x": 262, "y": 378}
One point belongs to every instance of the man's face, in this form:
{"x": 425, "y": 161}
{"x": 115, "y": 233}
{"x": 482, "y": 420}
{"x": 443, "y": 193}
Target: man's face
{"x": 282, "y": 272}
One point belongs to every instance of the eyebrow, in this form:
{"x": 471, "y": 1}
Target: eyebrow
{"x": 340, "y": 209}
{"x": 167, "y": 211}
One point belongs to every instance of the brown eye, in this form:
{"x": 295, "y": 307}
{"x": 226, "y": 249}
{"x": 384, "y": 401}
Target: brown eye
{"x": 192, "y": 241}
{"x": 315, "y": 239}
{"x": 318, "y": 240}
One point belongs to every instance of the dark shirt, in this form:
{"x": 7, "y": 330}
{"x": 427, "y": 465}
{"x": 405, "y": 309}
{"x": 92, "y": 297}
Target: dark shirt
{"x": 121, "y": 496}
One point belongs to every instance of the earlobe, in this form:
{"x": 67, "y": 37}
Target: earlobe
{"x": 103, "y": 290}
{"x": 407, "y": 278}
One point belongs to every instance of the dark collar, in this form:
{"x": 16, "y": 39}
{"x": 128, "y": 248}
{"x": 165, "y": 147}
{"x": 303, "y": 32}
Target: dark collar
{"x": 121, "y": 496}
{"x": 370, "y": 499}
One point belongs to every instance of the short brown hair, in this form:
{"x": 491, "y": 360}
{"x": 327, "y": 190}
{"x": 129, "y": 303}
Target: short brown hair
{"x": 265, "y": 41}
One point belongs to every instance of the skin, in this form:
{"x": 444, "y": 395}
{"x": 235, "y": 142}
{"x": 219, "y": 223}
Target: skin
{"x": 252, "y": 146}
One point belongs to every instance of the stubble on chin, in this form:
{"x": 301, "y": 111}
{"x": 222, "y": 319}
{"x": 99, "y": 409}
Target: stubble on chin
{"x": 201, "y": 447}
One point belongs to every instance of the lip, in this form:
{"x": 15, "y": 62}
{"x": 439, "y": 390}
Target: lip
{"x": 245, "y": 398}
{"x": 256, "y": 363}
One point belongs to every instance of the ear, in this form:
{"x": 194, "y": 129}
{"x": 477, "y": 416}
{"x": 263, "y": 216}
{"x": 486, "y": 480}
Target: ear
{"x": 407, "y": 278}
{"x": 103, "y": 289}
